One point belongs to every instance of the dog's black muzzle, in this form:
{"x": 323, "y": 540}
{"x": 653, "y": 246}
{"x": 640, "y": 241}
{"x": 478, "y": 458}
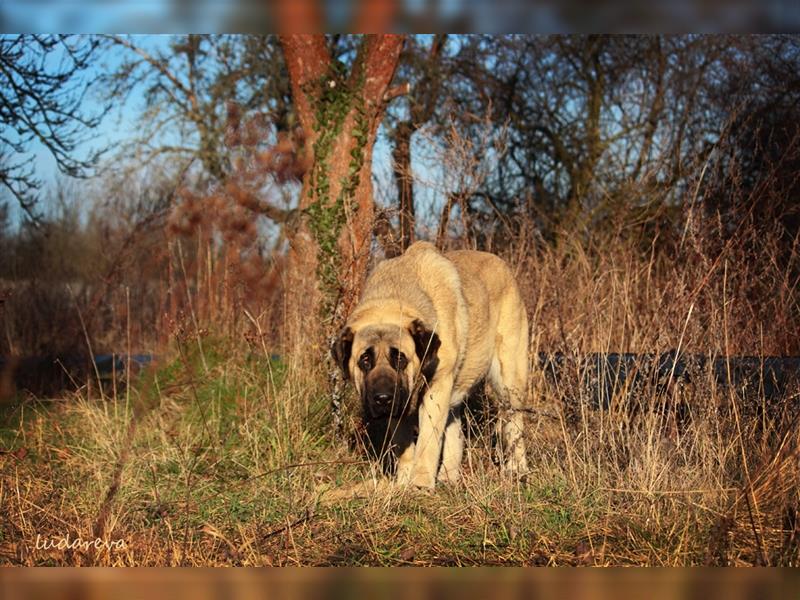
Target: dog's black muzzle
{"x": 385, "y": 396}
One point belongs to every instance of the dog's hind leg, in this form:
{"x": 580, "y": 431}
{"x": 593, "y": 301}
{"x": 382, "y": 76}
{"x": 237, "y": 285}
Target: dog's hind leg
{"x": 508, "y": 376}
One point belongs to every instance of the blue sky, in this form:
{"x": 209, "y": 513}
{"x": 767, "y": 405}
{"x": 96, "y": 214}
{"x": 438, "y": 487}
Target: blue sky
{"x": 119, "y": 125}
{"x": 494, "y": 16}
{"x": 123, "y": 122}
{"x": 113, "y": 16}
{"x": 175, "y": 16}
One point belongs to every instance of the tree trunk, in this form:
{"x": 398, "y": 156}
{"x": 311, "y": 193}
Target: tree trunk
{"x": 401, "y": 156}
{"x": 426, "y": 95}
{"x": 340, "y": 114}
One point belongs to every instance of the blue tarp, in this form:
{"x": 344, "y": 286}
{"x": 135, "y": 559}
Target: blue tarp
{"x": 602, "y": 377}
{"x": 108, "y": 364}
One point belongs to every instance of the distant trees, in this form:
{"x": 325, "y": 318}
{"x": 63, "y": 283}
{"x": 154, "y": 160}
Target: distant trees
{"x": 598, "y": 127}
{"x": 759, "y": 101}
{"x": 594, "y": 128}
{"x": 552, "y": 133}
{"x": 251, "y": 112}
{"x": 188, "y": 85}
{"x": 588, "y": 115}
{"x": 43, "y": 94}
{"x": 423, "y": 69}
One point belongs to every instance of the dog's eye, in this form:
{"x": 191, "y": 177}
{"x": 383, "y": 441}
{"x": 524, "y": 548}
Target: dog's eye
{"x": 397, "y": 359}
{"x": 365, "y": 362}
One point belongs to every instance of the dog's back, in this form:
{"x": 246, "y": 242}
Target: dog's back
{"x": 495, "y": 309}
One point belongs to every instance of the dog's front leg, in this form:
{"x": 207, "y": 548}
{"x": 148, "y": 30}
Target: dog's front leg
{"x": 432, "y": 421}
{"x": 405, "y": 465}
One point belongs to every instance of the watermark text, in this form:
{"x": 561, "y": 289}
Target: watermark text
{"x": 77, "y": 543}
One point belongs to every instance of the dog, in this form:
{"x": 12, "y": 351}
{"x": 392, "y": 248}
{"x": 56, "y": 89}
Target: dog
{"x": 428, "y": 327}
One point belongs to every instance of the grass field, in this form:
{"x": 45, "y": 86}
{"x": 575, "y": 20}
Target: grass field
{"x": 222, "y": 454}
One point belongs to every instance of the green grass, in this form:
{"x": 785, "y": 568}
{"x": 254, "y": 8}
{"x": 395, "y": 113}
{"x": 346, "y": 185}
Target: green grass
{"x": 221, "y": 464}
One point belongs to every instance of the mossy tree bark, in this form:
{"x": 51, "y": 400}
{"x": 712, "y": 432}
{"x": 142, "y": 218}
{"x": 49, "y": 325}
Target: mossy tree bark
{"x": 340, "y": 109}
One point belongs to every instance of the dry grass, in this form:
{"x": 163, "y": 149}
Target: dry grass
{"x": 224, "y": 454}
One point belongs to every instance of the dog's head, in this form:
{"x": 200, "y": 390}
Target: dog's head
{"x": 387, "y": 363}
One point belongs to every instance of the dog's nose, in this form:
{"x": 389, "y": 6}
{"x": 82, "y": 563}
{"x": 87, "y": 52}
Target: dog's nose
{"x": 382, "y": 399}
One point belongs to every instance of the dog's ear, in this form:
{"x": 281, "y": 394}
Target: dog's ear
{"x": 341, "y": 349}
{"x": 427, "y": 345}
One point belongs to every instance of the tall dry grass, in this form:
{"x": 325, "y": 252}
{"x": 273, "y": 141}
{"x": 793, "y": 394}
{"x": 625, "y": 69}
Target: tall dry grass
{"x": 224, "y": 452}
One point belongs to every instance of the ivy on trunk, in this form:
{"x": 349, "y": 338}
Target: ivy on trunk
{"x": 340, "y": 108}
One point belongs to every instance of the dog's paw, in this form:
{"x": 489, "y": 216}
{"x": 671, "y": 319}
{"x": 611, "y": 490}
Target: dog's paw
{"x": 404, "y": 474}
{"x": 423, "y": 480}
{"x": 409, "y": 478}
{"x": 516, "y": 466}
{"x": 410, "y": 475}
{"x": 449, "y": 476}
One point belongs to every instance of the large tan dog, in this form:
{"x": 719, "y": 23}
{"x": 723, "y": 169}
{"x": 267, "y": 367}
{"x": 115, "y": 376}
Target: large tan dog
{"x": 429, "y": 326}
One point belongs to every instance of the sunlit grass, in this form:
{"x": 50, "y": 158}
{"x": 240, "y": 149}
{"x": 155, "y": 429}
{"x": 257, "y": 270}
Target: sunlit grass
{"x": 223, "y": 453}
